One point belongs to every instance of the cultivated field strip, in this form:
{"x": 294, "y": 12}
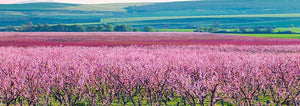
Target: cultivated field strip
{"x": 132, "y": 38}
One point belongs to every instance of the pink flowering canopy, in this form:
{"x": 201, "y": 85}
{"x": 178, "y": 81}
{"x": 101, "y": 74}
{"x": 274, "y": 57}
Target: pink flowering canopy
{"x": 240, "y": 75}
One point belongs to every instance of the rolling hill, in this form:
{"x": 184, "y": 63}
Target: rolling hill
{"x": 279, "y": 13}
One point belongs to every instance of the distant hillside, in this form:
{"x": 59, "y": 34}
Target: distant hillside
{"x": 65, "y": 6}
{"x": 218, "y": 7}
{"x": 86, "y": 14}
{"x": 55, "y": 13}
{"x": 34, "y": 6}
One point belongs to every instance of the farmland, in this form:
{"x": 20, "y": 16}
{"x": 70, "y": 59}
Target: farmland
{"x": 281, "y": 20}
{"x": 154, "y": 68}
{"x": 297, "y": 30}
{"x": 291, "y": 36}
{"x": 150, "y": 75}
{"x": 132, "y": 38}
{"x": 150, "y": 54}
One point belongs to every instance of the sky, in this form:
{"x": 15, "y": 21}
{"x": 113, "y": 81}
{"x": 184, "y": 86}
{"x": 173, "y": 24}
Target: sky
{"x": 83, "y": 1}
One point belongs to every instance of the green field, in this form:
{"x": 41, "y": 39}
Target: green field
{"x": 193, "y": 17}
{"x": 291, "y": 36}
{"x": 297, "y": 30}
{"x": 144, "y": 102}
{"x": 283, "y": 20}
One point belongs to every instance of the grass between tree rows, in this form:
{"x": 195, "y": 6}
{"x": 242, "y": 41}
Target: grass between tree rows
{"x": 291, "y": 36}
{"x": 175, "y": 102}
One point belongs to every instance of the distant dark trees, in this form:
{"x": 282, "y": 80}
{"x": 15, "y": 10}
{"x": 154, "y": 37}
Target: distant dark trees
{"x": 92, "y": 28}
{"x": 46, "y": 28}
{"x": 206, "y": 29}
{"x": 123, "y": 28}
{"x": 260, "y": 30}
{"x": 108, "y": 28}
{"x": 127, "y": 28}
{"x": 26, "y": 28}
{"x": 100, "y": 28}
{"x": 149, "y": 29}
{"x": 244, "y": 29}
{"x": 136, "y": 29}
{"x": 69, "y": 28}
{"x": 257, "y": 29}
{"x": 285, "y": 32}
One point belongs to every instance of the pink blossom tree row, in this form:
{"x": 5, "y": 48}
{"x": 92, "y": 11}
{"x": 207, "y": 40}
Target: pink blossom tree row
{"x": 153, "y": 75}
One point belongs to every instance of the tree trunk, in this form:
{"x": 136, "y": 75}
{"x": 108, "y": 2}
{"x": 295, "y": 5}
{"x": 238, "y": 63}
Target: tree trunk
{"x": 7, "y": 104}
{"x": 149, "y": 91}
{"x": 212, "y": 98}
{"x": 222, "y": 102}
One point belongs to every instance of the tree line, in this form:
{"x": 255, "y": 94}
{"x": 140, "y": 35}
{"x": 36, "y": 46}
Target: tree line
{"x": 127, "y": 28}
{"x": 251, "y": 30}
{"x": 242, "y": 29}
{"x": 74, "y": 28}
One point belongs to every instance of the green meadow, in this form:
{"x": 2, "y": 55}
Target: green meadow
{"x": 291, "y": 36}
{"x": 297, "y": 30}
